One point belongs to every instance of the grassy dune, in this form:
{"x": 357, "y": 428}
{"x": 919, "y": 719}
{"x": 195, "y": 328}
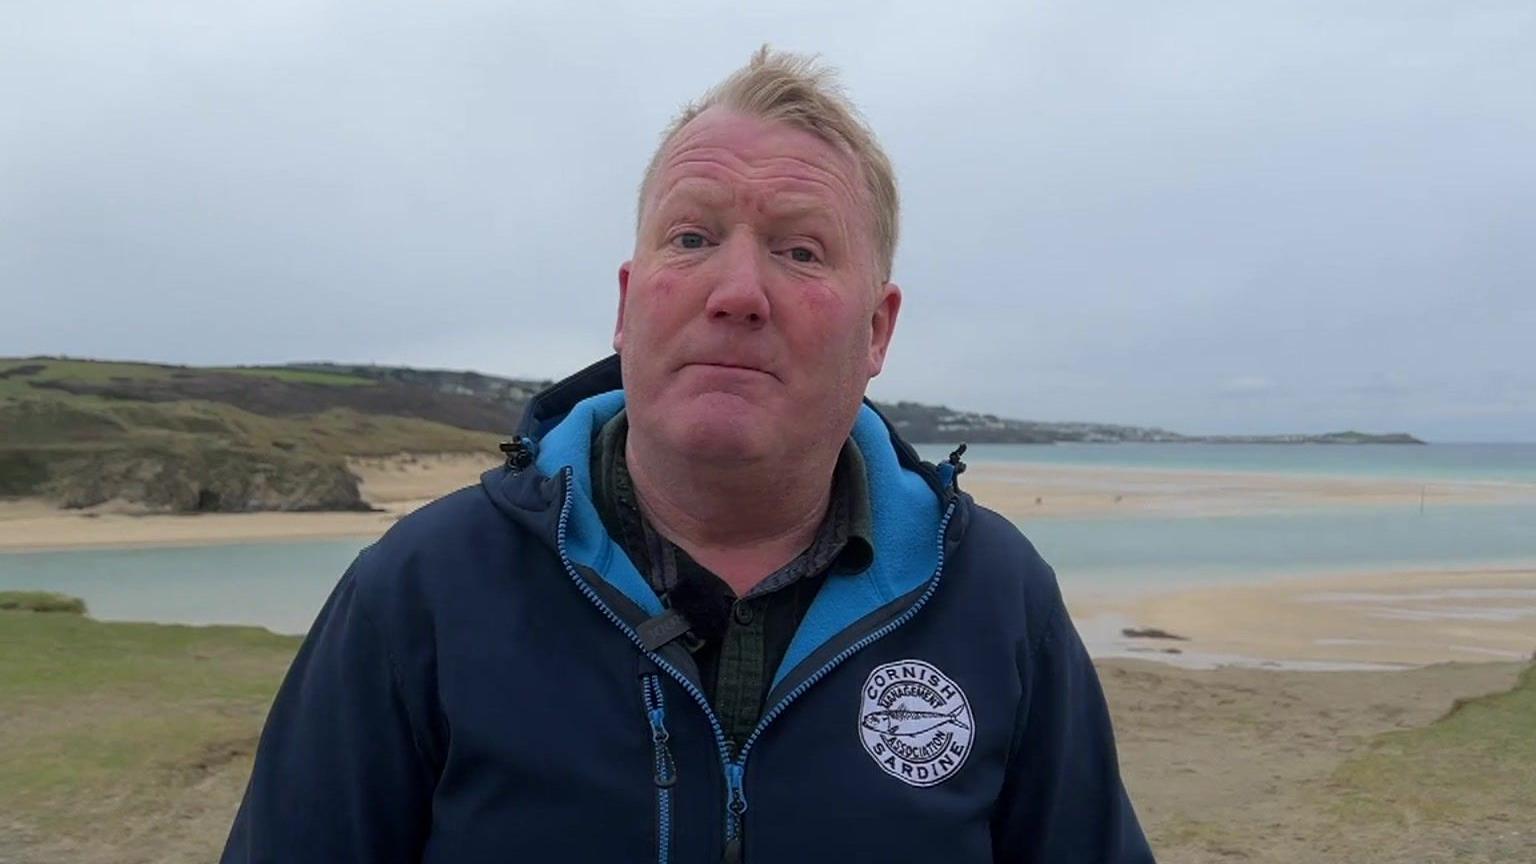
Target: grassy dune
{"x": 1465, "y": 784}
{"x": 131, "y": 743}
{"x": 127, "y": 742}
{"x": 40, "y": 601}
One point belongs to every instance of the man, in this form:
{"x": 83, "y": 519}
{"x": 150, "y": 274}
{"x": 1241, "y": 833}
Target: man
{"x": 713, "y": 607}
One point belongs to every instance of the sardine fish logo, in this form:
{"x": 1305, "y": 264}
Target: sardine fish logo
{"x": 915, "y": 722}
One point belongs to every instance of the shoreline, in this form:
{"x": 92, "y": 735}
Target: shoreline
{"x": 399, "y": 484}
{"x": 394, "y": 486}
{"x": 1326, "y": 621}
{"x": 1366, "y": 618}
{"x": 1025, "y": 491}
{"x": 124, "y": 531}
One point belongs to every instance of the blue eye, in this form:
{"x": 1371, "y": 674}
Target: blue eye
{"x": 689, "y": 240}
{"x": 802, "y": 255}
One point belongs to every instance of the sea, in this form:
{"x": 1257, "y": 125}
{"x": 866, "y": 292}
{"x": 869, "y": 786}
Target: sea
{"x": 1510, "y": 463}
{"x": 281, "y": 585}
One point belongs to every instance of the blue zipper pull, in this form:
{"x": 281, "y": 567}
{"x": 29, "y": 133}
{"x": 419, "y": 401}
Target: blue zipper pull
{"x": 658, "y": 726}
{"x": 666, "y": 769}
{"x": 738, "y": 798}
{"x": 737, "y": 804}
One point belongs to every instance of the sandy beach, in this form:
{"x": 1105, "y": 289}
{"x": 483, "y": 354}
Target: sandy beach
{"x": 1344, "y": 620}
{"x": 397, "y": 485}
{"x": 1359, "y": 620}
{"x": 1024, "y": 492}
{"x": 394, "y": 487}
{"x": 1349, "y": 621}
{"x": 1265, "y": 765}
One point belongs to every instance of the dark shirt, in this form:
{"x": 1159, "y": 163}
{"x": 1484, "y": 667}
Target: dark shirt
{"x": 737, "y": 642}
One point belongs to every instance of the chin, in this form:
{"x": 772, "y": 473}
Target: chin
{"x": 722, "y": 427}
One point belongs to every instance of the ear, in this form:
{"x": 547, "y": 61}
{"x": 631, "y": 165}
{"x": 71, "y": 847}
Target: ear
{"x": 618, "y": 325}
{"x": 883, "y": 325}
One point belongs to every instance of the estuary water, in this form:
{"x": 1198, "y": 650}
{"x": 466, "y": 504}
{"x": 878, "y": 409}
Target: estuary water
{"x": 281, "y": 585}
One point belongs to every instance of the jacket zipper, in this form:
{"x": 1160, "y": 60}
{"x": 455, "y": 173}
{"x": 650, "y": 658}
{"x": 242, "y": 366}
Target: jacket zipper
{"x": 666, "y": 769}
{"x": 721, "y": 744}
{"x": 735, "y": 769}
{"x": 738, "y": 801}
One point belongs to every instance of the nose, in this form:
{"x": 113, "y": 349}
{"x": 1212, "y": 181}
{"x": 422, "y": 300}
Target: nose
{"x": 739, "y": 295}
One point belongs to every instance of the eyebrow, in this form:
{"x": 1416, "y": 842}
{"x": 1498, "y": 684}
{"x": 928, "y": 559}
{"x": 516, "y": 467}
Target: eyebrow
{"x": 793, "y": 207}
{"x": 797, "y": 207}
{"x": 695, "y": 191}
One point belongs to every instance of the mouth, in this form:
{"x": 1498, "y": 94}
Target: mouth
{"x": 736, "y": 367}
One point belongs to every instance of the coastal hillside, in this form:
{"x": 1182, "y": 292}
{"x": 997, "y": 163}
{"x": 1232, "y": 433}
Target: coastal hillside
{"x": 180, "y": 439}
{"x": 924, "y": 424}
{"x": 164, "y": 438}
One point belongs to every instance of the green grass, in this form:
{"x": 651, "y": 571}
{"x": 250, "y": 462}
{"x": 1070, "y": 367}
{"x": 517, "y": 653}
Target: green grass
{"x": 92, "y": 371}
{"x": 50, "y": 419}
{"x": 86, "y": 371}
{"x": 297, "y": 376}
{"x": 103, "y": 722}
{"x": 40, "y": 601}
{"x": 55, "y": 441}
{"x": 104, "y": 371}
{"x": 1470, "y": 775}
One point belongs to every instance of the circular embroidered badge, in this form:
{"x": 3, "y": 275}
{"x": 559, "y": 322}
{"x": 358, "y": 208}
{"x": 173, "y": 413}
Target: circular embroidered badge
{"x": 915, "y": 722}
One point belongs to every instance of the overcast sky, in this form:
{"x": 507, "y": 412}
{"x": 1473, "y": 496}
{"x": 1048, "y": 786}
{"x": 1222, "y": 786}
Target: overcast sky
{"x": 1209, "y": 216}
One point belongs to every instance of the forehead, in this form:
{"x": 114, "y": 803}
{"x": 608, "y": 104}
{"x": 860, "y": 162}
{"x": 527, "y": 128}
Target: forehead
{"x": 721, "y": 155}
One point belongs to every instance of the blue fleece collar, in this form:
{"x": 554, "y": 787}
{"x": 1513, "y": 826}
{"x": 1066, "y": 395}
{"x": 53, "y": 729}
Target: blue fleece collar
{"x": 904, "y": 509}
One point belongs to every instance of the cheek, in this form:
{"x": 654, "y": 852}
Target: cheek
{"x": 824, "y": 325}
{"x": 655, "y": 298}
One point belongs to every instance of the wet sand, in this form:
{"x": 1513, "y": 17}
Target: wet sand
{"x": 1051, "y": 491}
{"x": 1377, "y": 620}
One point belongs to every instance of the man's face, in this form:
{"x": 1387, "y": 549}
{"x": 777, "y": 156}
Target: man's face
{"x": 752, "y": 316}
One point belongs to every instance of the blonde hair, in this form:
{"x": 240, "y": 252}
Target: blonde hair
{"x": 778, "y": 86}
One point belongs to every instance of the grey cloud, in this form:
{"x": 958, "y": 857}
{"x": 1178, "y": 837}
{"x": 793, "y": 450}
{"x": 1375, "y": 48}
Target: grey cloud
{"x": 1114, "y": 211}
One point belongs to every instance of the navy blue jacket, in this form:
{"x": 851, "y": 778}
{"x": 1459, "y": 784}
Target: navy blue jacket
{"x": 477, "y": 689}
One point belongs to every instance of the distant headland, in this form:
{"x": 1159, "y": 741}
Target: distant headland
{"x": 166, "y": 438}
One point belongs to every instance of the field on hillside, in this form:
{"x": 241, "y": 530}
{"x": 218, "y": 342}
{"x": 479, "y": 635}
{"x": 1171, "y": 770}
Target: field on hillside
{"x": 176, "y": 439}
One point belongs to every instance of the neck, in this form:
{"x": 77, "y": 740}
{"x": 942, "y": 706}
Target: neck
{"x": 742, "y": 523}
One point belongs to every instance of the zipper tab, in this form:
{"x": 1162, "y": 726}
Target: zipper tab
{"x": 738, "y": 798}
{"x": 733, "y": 784}
{"x": 666, "y": 769}
{"x": 655, "y": 711}
{"x": 737, "y": 804}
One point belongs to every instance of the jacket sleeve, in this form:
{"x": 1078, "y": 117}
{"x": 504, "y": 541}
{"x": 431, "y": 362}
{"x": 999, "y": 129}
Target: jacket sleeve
{"x": 1063, "y": 801}
{"x": 339, "y": 772}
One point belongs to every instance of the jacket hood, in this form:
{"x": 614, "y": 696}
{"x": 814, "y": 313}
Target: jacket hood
{"x": 549, "y": 472}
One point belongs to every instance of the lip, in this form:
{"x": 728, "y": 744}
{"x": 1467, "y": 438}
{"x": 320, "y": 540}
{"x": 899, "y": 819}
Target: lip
{"x": 739, "y": 367}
